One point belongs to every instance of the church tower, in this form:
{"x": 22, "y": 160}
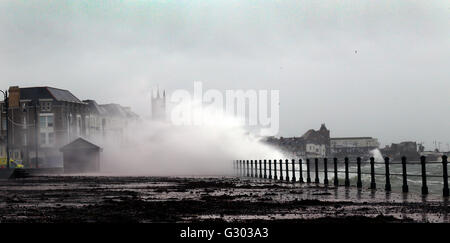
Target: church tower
{"x": 158, "y": 105}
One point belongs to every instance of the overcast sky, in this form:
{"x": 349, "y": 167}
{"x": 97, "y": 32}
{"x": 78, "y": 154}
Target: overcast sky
{"x": 395, "y": 87}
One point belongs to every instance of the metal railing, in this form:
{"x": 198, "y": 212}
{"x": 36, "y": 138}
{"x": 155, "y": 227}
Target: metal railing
{"x": 273, "y": 170}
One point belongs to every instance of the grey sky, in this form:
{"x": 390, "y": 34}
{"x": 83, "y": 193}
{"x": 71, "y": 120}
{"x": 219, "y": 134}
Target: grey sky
{"x": 396, "y": 87}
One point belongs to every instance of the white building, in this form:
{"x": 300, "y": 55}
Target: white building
{"x": 348, "y": 146}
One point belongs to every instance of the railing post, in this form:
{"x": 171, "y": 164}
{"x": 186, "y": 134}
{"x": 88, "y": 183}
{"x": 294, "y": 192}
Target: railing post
{"x": 325, "y": 171}
{"x": 336, "y": 180}
{"x": 445, "y": 191}
{"x": 281, "y": 169}
{"x": 347, "y": 179}
{"x": 293, "y": 171}
{"x": 405, "y": 181}
{"x": 373, "y": 185}
{"x": 270, "y": 169}
{"x": 251, "y": 168}
{"x": 358, "y": 164}
{"x": 248, "y": 169}
{"x": 287, "y": 169}
{"x": 275, "y": 169}
{"x": 260, "y": 169}
{"x": 316, "y": 165}
{"x": 424, "y": 175}
{"x": 308, "y": 175}
{"x": 265, "y": 169}
{"x": 256, "y": 169}
{"x": 238, "y": 169}
{"x": 300, "y": 163}
{"x": 387, "y": 187}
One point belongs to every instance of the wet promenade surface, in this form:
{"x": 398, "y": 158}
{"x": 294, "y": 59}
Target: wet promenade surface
{"x": 210, "y": 199}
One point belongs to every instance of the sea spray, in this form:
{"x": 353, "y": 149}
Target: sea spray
{"x": 376, "y": 154}
{"x": 163, "y": 149}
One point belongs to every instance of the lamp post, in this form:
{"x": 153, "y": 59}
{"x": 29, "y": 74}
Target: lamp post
{"x": 5, "y": 94}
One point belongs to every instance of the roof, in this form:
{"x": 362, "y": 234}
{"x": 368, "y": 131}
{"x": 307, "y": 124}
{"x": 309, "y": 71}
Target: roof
{"x": 351, "y": 138}
{"x": 310, "y": 133}
{"x": 114, "y": 110}
{"x": 63, "y": 95}
{"x": 35, "y": 93}
{"x": 95, "y": 107}
{"x": 129, "y": 112}
{"x": 79, "y": 144}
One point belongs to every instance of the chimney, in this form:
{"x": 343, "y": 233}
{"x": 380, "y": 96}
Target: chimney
{"x": 14, "y": 96}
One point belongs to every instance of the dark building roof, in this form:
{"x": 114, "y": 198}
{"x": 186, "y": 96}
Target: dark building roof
{"x": 114, "y": 110}
{"x": 95, "y": 107}
{"x": 129, "y": 112}
{"x": 80, "y": 144}
{"x": 35, "y": 93}
{"x": 321, "y": 136}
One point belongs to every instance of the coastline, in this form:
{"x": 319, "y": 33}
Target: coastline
{"x": 106, "y": 199}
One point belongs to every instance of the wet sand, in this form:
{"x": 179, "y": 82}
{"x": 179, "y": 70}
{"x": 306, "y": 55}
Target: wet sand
{"x": 205, "y": 199}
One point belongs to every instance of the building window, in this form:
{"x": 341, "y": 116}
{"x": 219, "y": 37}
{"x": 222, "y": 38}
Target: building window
{"x": 46, "y": 123}
{"x": 43, "y": 139}
{"x": 78, "y": 125}
{"x": 86, "y": 125}
{"x": 46, "y": 106}
{"x": 47, "y": 138}
{"x": 46, "y": 120}
{"x": 51, "y": 138}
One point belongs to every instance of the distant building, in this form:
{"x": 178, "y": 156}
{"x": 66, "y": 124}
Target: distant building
{"x": 317, "y": 143}
{"x": 97, "y": 121}
{"x": 353, "y": 146}
{"x": 313, "y": 143}
{"x": 117, "y": 119}
{"x": 159, "y": 106}
{"x": 43, "y": 119}
{"x": 432, "y": 155}
{"x": 397, "y": 150}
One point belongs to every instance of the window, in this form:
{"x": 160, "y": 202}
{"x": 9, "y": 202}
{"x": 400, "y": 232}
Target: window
{"x": 43, "y": 139}
{"x": 51, "y": 138}
{"x": 24, "y": 140}
{"x": 46, "y": 106}
{"x": 42, "y": 122}
{"x": 46, "y": 120}
{"x": 47, "y": 138}
{"x": 78, "y": 125}
{"x": 50, "y": 121}
{"x": 86, "y": 125}
{"x": 46, "y": 124}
